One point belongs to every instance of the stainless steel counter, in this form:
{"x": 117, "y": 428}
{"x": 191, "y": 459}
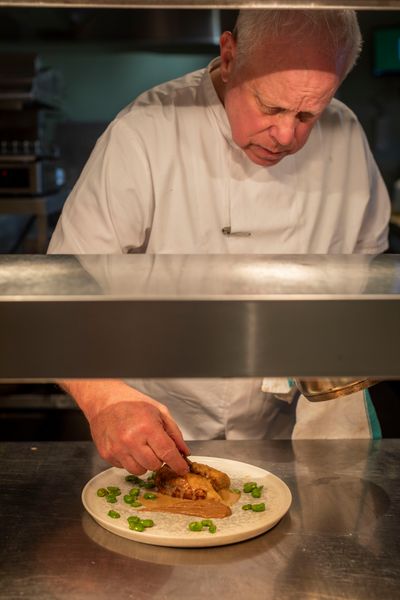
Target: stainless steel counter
{"x": 340, "y": 538}
{"x": 199, "y": 316}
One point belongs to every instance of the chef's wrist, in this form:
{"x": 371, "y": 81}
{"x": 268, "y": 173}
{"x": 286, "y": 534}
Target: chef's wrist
{"x": 93, "y": 396}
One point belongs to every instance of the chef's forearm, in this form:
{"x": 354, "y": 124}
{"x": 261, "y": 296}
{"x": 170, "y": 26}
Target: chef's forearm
{"x": 93, "y": 395}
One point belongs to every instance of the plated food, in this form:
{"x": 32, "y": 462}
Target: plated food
{"x": 203, "y": 492}
{"x": 218, "y": 502}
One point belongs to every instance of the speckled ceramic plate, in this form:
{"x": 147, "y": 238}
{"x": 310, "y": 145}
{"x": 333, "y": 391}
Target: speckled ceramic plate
{"x": 172, "y": 530}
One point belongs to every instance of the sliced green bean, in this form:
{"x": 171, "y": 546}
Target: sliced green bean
{"x": 207, "y": 522}
{"x": 113, "y": 514}
{"x": 256, "y": 493}
{"x": 111, "y": 498}
{"x": 147, "y": 522}
{"x": 249, "y": 487}
{"x": 137, "y": 527}
{"x": 149, "y": 496}
{"x": 101, "y": 492}
{"x": 258, "y": 507}
{"x": 133, "y": 519}
{"x": 195, "y": 526}
{"x": 246, "y": 507}
{"x": 149, "y": 484}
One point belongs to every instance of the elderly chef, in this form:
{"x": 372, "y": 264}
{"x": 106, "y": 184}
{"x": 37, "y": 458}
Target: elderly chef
{"x": 251, "y": 155}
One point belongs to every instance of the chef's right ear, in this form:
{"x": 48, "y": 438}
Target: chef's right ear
{"x": 228, "y": 54}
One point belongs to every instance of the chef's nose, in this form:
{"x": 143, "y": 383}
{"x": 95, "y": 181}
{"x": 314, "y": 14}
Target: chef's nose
{"x": 283, "y": 130}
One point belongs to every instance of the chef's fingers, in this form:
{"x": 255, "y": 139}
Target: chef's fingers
{"x": 145, "y": 456}
{"x": 124, "y": 461}
{"x": 165, "y": 448}
{"x": 132, "y": 465}
{"x": 175, "y": 433}
{"x": 125, "y": 429}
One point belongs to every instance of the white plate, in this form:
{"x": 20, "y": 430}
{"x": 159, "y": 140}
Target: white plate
{"x": 172, "y": 530}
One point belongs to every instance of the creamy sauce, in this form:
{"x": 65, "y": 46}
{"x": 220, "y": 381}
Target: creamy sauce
{"x": 208, "y": 509}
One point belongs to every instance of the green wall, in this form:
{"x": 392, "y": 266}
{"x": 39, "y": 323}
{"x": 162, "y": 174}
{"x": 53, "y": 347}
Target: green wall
{"x": 107, "y": 57}
{"x": 97, "y": 85}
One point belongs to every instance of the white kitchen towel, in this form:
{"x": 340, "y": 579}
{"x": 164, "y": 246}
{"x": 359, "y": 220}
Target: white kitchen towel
{"x": 281, "y": 387}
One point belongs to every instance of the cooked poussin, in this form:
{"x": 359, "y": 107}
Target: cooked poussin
{"x": 218, "y": 479}
{"x": 202, "y": 482}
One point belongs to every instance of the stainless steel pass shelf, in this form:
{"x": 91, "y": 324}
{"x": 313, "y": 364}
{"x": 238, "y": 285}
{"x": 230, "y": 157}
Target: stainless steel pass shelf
{"x": 199, "y": 316}
{"x": 223, "y": 4}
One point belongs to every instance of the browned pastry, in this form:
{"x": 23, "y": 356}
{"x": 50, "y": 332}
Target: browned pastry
{"x": 218, "y": 479}
{"x": 204, "y": 491}
{"x": 189, "y": 487}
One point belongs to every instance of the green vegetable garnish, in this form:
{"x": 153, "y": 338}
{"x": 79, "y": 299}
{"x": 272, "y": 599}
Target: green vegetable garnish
{"x": 256, "y": 493}
{"x": 113, "y": 514}
{"x": 149, "y": 496}
{"x": 147, "y": 523}
{"x": 149, "y": 484}
{"x": 200, "y": 525}
{"x": 195, "y": 526}
{"x": 101, "y": 492}
{"x": 249, "y": 487}
{"x": 133, "y": 519}
{"x": 111, "y": 498}
{"x": 246, "y": 507}
{"x": 258, "y": 507}
{"x": 207, "y": 522}
{"x": 136, "y": 526}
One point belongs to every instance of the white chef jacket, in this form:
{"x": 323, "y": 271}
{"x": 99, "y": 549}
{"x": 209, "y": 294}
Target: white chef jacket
{"x": 166, "y": 177}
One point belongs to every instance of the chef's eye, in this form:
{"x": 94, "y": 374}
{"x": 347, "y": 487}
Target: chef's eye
{"x": 268, "y": 110}
{"x": 304, "y": 117}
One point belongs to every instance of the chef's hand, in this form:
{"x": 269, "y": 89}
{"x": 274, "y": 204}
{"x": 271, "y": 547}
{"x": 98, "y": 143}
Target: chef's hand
{"x": 130, "y": 429}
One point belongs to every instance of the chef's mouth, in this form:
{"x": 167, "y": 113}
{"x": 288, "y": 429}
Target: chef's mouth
{"x": 265, "y": 152}
{"x": 264, "y": 157}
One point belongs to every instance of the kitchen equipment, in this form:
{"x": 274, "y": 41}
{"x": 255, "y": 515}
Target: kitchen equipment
{"x": 26, "y": 175}
{"x": 29, "y": 97}
{"x": 328, "y": 389}
{"x": 234, "y": 316}
{"x": 24, "y": 81}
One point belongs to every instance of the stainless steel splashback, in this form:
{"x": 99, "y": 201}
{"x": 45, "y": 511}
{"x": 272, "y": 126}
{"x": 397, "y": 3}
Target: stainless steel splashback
{"x": 232, "y": 4}
{"x": 199, "y": 316}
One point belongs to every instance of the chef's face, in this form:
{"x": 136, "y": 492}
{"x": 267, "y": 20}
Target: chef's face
{"x": 273, "y": 100}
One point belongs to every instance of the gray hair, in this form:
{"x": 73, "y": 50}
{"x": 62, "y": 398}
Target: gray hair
{"x": 339, "y": 27}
